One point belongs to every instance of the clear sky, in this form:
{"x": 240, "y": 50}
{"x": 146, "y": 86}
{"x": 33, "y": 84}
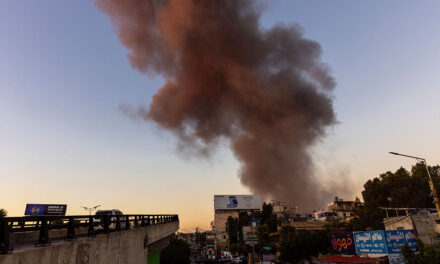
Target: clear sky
{"x": 63, "y": 75}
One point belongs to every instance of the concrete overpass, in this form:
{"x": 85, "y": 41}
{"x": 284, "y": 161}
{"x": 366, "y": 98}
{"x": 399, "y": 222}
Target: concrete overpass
{"x": 85, "y": 239}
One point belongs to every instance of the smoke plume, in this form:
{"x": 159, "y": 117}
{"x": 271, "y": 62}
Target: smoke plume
{"x": 265, "y": 91}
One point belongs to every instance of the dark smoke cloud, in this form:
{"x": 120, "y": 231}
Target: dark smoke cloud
{"x": 265, "y": 91}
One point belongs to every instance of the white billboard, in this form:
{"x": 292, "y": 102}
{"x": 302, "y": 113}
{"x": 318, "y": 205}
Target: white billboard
{"x": 237, "y": 202}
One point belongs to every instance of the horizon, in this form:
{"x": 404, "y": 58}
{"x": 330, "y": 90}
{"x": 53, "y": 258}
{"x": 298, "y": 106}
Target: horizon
{"x": 65, "y": 140}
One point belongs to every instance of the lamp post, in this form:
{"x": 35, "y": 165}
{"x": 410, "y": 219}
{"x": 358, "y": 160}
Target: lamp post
{"x": 431, "y": 184}
{"x": 90, "y": 209}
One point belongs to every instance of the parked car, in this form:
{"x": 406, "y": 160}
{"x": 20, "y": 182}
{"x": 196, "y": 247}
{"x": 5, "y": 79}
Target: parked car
{"x": 112, "y": 220}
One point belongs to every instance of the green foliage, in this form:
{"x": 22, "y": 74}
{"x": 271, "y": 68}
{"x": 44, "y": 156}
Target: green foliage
{"x": 268, "y": 223}
{"x": 287, "y": 233}
{"x": 265, "y": 217}
{"x": 272, "y": 224}
{"x": 399, "y": 189}
{"x": 263, "y": 235}
{"x": 402, "y": 188}
{"x": 245, "y": 218}
{"x": 297, "y": 246}
{"x": 266, "y": 213}
{"x": 368, "y": 217}
{"x": 233, "y": 229}
{"x": 427, "y": 254}
{"x": 339, "y": 226}
{"x": 3, "y": 212}
{"x": 236, "y": 248}
{"x": 268, "y": 218}
{"x": 177, "y": 251}
{"x": 200, "y": 240}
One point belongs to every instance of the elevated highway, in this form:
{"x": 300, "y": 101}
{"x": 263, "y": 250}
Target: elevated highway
{"x": 85, "y": 239}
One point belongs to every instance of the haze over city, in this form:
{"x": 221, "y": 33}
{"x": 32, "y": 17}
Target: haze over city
{"x": 66, "y": 82}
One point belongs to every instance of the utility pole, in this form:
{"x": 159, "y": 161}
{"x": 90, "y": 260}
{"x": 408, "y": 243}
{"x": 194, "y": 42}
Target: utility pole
{"x": 431, "y": 184}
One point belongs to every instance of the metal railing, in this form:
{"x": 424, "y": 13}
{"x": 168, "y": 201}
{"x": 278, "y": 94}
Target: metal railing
{"x": 95, "y": 224}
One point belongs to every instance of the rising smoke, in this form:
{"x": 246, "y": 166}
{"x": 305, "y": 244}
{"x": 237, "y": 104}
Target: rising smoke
{"x": 265, "y": 91}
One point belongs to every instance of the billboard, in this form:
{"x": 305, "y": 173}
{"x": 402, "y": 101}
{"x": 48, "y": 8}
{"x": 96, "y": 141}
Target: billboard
{"x": 397, "y": 238}
{"x": 370, "y": 242}
{"x": 237, "y": 202}
{"x": 45, "y": 209}
{"x": 342, "y": 243}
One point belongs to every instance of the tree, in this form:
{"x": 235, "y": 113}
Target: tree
{"x": 301, "y": 246}
{"x": 3, "y": 212}
{"x": 233, "y": 229}
{"x": 268, "y": 218}
{"x": 399, "y": 189}
{"x": 236, "y": 248}
{"x": 262, "y": 234}
{"x": 266, "y": 213}
{"x": 200, "y": 239}
{"x": 427, "y": 254}
{"x": 287, "y": 233}
{"x": 263, "y": 237}
{"x": 272, "y": 224}
{"x": 177, "y": 251}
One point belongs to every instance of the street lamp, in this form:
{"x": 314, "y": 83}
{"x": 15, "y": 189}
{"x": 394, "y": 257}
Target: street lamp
{"x": 90, "y": 209}
{"x": 431, "y": 184}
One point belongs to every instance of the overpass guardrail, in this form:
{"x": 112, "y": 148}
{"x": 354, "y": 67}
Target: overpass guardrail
{"x": 95, "y": 224}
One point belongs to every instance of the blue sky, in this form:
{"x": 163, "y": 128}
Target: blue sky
{"x": 63, "y": 75}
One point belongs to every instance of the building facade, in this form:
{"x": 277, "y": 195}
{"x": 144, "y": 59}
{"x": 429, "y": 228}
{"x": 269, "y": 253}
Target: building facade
{"x": 425, "y": 225}
{"x": 231, "y": 205}
{"x": 285, "y": 211}
{"x": 341, "y": 209}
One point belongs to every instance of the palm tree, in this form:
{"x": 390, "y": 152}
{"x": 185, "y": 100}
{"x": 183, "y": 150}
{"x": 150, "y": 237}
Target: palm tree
{"x": 3, "y": 212}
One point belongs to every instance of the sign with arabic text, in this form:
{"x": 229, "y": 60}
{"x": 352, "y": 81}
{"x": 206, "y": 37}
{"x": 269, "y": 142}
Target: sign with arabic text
{"x": 370, "y": 242}
{"x": 342, "y": 243}
{"x": 397, "y": 238}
